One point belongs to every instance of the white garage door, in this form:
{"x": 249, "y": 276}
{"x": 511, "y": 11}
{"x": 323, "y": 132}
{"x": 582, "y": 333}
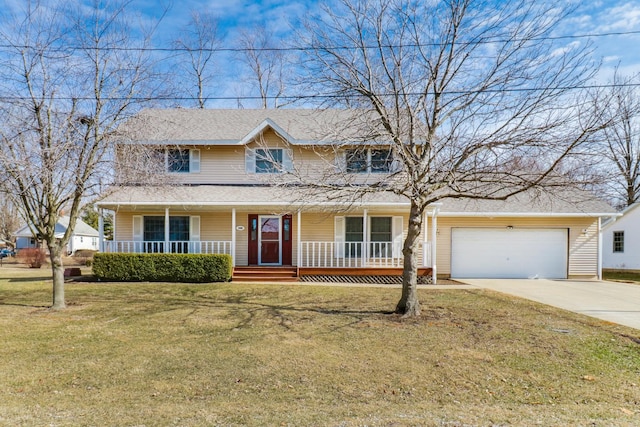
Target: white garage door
{"x": 509, "y": 253}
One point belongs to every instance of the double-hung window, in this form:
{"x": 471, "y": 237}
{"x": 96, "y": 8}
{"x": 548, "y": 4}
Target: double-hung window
{"x": 356, "y": 161}
{"x": 353, "y": 236}
{"x": 180, "y": 232}
{"x": 182, "y": 160}
{"x": 178, "y": 160}
{"x": 382, "y": 236}
{"x": 269, "y": 160}
{"x": 368, "y": 160}
{"x": 618, "y": 241}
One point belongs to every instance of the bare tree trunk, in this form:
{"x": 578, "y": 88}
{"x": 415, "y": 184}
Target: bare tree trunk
{"x": 409, "y": 305}
{"x": 55, "y": 255}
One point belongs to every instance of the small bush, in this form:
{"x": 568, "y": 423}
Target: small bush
{"x": 84, "y": 257}
{"x": 192, "y": 268}
{"x": 33, "y": 257}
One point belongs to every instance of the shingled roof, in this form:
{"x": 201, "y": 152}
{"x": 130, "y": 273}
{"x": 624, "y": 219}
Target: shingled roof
{"x": 235, "y": 127}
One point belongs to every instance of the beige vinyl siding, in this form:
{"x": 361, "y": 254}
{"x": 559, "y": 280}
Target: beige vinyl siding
{"x": 242, "y": 238}
{"x": 226, "y": 164}
{"x": 583, "y": 250}
{"x": 583, "y": 247}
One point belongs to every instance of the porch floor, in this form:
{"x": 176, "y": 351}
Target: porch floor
{"x": 258, "y": 273}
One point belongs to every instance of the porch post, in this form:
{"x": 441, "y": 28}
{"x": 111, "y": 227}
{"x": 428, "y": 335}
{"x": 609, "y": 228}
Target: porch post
{"x": 114, "y": 240}
{"x": 299, "y": 240}
{"x": 100, "y": 230}
{"x": 166, "y": 231}
{"x": 365, "y": 239}
{"x": 425, "y": 238}
{"x": 434, "y": 232}
{"x": 233, "y": 237}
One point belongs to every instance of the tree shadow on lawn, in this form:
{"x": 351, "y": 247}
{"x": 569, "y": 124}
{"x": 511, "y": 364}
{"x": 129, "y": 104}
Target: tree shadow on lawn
{"x": 27, "y": 279}
{"x": 15, "y": 304}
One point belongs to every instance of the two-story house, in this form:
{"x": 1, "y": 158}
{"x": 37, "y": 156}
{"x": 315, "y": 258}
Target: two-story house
{"x": 225, "y": 193}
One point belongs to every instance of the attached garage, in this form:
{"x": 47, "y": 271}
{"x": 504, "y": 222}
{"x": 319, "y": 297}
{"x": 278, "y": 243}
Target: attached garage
{"x": 509, "y": 253}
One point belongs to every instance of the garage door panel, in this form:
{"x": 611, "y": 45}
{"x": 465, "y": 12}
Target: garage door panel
{"x": 509, "y": 253}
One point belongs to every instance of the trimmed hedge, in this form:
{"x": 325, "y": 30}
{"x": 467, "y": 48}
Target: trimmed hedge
{"x": 191, "y": 268}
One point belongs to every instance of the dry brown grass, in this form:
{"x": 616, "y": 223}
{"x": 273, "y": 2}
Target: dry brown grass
{"x": 225, "y": 354}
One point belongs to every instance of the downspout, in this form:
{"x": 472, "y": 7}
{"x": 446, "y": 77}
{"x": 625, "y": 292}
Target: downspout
{"x": 599, "y": 248}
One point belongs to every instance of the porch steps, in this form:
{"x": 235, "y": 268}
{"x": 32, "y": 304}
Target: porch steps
{"x": 265, "y": 274}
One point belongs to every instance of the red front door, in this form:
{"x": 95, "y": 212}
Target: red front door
{"x": 269, "y": 240}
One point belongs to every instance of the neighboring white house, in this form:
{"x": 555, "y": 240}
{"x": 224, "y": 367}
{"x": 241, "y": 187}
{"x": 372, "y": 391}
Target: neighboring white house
{"x": 84, "y": 236}
{"x": 621, "y": 241}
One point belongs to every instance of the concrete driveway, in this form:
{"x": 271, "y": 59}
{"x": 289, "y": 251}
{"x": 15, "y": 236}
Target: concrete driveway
{"x": 611, "y": 301}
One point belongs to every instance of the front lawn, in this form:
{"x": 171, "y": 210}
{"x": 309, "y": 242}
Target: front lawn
{"x": 294, "y": 355}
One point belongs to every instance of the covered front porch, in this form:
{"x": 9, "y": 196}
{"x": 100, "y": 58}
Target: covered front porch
{"x": 365, "y": 241}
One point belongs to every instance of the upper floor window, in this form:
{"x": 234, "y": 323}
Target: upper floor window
{"x": 268, "y": 160}
{"x": 356, "y": 161}
{"x": 182, "y": 160}
{"x": 178, "y": 160}
{"x": 618, "y": 241}
{"x": 364, "y": 160}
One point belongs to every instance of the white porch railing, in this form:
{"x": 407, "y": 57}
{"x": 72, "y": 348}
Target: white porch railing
{"x": 350, "y": 254}
{"x": 200, "y": 247}
{"x": 313, "y": 253}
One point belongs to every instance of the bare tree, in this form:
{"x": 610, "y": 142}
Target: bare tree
{"x": 266, "y": 66}
{"x": 9, "y": 218}
{"x": 621, "y": 140}
{"x": 198, "y": 41}
{"x": 69, "y": 81}
{"x": 476, "y": 100}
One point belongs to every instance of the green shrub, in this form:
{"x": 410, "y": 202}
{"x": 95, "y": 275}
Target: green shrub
{"x": 191, "y": 268}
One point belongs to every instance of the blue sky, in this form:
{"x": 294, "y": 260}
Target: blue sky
{"x": 278, "y": 16}
{"x": 591, "y": 17}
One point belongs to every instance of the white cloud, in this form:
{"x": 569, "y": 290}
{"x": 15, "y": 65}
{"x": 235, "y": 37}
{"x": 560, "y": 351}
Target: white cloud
{"x": 612, "y": 58}
{"x": 620, "y": 17}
